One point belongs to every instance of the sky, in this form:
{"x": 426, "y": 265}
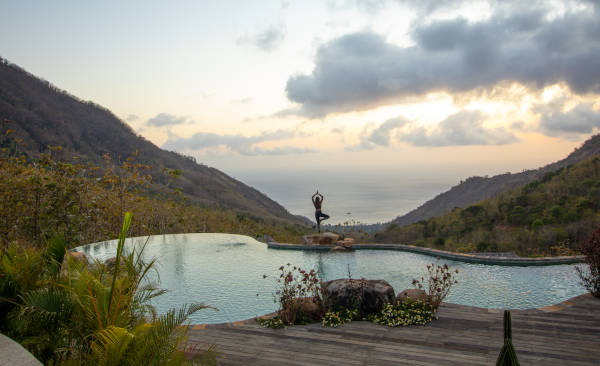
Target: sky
{"x": 355, "y": 86}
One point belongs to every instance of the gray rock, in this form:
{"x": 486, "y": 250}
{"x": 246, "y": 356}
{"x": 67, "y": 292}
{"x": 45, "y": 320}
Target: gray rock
{"x": 369, "y": 296}
{"x": 412, "y": 294}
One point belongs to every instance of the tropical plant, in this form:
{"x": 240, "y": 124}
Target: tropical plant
{"x": 590, "y": 277}
{"x": 75, "y": 312}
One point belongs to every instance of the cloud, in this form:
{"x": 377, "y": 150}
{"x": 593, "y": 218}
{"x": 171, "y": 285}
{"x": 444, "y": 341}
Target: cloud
{"x": 266, "y": 40}
{"x": 379, "y": 136}
{"x": 460, "y": 129}
{"x": 244, "y": 145}
{"x": 582, "y": 119}
{"x": 165, "y": 119}
{"x": 359, "y": 71}
{"x": 132, "y": 118}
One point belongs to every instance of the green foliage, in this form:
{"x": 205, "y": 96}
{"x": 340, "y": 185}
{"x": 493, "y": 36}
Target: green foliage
{"x": 82, "y": 204}
{"x": 337, "y": 318}
{"x": 404, "y": 313}
{"x": 563, "y": 205}
{"x": 80, "y": 313}
{"x": 508, "y": 356}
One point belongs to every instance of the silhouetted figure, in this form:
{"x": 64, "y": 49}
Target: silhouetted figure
{"x": 317, "y": 200}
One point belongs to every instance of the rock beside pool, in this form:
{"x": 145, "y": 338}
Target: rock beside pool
{"x": 321, "y": 239}
{"x": 346, "y": 243}
{"x": 307, "y": 307}
{"x": 412, "y": 294}
{"x": 368, "y": 295}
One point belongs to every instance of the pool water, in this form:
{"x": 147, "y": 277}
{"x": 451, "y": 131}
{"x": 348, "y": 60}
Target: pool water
{"x": 226, "y": 271}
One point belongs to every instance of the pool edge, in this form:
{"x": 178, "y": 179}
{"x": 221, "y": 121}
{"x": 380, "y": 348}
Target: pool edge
{"x": 468, "y": 258}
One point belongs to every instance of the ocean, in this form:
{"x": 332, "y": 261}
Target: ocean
{"x": 365, "y": 197}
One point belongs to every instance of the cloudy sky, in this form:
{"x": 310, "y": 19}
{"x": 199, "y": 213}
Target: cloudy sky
{"x": 483, "y": 86}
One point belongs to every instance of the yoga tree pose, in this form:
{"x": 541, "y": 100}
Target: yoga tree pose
{"x": 317, "y": 200}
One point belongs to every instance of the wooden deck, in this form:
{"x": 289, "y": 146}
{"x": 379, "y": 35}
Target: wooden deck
{"x": 564, "y": 334}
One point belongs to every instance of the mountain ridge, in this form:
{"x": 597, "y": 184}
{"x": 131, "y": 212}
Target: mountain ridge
{"x": 475, "y": 189}
{"x": 42, "y": 115}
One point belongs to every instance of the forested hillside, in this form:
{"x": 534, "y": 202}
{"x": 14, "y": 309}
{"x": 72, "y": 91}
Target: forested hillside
{"x": 40, "y": 116}
{"x": 552, "y": 215}
{"x": 475, "y": 189}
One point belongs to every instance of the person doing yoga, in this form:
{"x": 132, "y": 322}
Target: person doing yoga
{"x": 317, "y": 200}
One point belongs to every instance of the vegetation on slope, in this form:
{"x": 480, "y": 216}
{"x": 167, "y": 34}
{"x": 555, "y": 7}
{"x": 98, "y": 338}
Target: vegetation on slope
{"x": 475, "y": 189}
{"x": 42, "y": 115}
{"x": 42, "y": 198}
{"x": 550, "y": 216}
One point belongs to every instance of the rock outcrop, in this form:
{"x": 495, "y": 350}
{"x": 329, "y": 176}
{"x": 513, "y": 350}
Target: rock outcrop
{"x": 369, "y": 296}
{"x": 324, "y": 239}
{"x": 328, "y": 239}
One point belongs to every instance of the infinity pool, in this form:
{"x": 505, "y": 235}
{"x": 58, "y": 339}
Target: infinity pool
{"x": 226, "y": 271}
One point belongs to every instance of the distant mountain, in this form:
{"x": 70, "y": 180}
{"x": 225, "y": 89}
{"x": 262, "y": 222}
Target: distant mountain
{"x": 42, "y": 115}
{"x": 475, "y": 189}
{"x": 553, "y": 215}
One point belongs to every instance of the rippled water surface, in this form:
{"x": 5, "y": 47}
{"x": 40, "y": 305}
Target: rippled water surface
{"x": 226, "y": 271}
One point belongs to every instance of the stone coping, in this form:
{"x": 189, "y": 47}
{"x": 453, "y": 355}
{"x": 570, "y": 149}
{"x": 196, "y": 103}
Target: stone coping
{"x": 546, "y": 309}
{"x": 462, "y": 257}
{"x": 13, "y": 354}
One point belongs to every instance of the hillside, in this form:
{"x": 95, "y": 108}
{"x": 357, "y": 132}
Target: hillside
{"x": 552, "y": 215}
{"x": 475, "y": 189}
{"x": 42, "y": 115}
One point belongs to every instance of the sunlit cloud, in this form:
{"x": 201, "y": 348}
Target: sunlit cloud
{"x": 362, "y": 70}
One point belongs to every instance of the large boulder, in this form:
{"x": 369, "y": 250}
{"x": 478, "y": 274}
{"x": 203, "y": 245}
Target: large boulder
{"x": 338, "y": 248}
{"x": 369, "y": 296}
{"x": 412, "y": 294}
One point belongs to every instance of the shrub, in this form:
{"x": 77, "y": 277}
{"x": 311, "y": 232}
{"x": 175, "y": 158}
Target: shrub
{"x": 404, "y": 313}
{"x": 75, "y": 313}
{"x": 591, "y": 278}
{"x": 296, "y": 286}
{"x": 440, "y": 280}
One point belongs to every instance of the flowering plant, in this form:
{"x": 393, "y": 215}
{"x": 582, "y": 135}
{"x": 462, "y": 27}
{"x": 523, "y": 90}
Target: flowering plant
{"x": 404, "y": 313}
{"x": 296, "y": 288}
{"x": 337, "y": 318}
{"x": 440, "y": 280}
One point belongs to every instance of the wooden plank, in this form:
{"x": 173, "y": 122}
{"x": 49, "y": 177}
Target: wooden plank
{"x": 570, "y": 334}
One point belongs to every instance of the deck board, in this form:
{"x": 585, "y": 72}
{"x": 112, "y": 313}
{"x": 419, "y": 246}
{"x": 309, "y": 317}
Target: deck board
{"x": 565, "y": 334}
